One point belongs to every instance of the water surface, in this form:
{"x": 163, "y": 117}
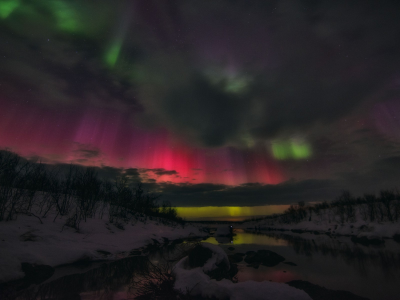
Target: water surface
{"x": 334, "y": 263}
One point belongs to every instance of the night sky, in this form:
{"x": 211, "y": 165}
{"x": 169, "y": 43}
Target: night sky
{"x": 211, "y": 103}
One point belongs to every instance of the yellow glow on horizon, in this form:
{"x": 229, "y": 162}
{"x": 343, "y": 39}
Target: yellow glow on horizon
{"x": 232, "y": 213}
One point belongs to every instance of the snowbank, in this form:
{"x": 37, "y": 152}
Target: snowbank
{"x": 196, "y": 282}
{"x": 325, "y": 223}
{"x": 218, "y": 257}
{"x": 26, "y": 240}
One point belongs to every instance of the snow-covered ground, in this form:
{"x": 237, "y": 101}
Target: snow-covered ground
{"x": 326, "y": 222}
{"x": 27, "y": 240}
{"x": 52, "y": 243}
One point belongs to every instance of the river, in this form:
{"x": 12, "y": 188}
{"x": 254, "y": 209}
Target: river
{"x": 335, "y": 263}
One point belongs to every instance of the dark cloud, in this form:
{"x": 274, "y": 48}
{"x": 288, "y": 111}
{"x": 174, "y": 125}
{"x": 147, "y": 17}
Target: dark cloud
{"x": 189, "y": 189}
{"x": 313, "y": 64}
{"x": 132, "y": 172}
{"x": 251, "y": 194}
{"x": 257, "y": 71}
{"x": 55, "y": 66}
{"x": 248, "y": 73}
{"x": 106, "y": 173}
{"x": 83, "y": 154}
{"x": 161, "y": 171}
{"x": 381, "y": 174}
{"x": 87, "y": 153}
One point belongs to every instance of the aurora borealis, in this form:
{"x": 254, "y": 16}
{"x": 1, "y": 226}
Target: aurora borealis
{"x": 212, "y": 103}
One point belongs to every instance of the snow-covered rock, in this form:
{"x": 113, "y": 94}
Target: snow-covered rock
{"x": 224, "y": 230}
{"x": 196, "y": 282}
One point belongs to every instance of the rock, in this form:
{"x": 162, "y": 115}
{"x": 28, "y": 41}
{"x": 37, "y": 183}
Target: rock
{"x": 233, "y": 270}
{"x": 198, "y": 256}
{"x": 223, "y": 239}
{"x": 254, "y": 265}
{"x": 396, "y": 237}
{"x": 366, "y": 241}
{"x": 119, "y": 226}
{"x": 222, "y": 272}
{"x": 155, "y": 242}
{"x": 36, "y": 273}
{"x": 231, "y": 248}
{"x": 224, "y": 231}
{"x": 84, "y": 261}
{"x": 177, "y": 241}
{"x": 28, "y": 237}
{"x": 69, "y": 297}
{"x": 364, "y": 228}
{"x": 103, "y": 252}
{"x": 235, "y": 258}
{"x": 290, "y": 263}
{"x": 265, "y": 257}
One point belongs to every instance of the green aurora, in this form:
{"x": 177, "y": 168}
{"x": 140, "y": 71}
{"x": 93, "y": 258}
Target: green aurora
{"x": 291, "y": 150}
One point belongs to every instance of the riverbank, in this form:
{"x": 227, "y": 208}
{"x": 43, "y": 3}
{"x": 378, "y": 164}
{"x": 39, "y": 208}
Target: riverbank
{"x": 361, "y": 231}
{"x": 27, "y": 240}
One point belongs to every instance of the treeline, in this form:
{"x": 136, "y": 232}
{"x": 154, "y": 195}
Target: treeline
{"x": 79, "y": 193}
{"x": 345, "y": 208}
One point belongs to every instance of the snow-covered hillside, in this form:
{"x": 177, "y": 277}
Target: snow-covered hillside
{"x": 52, "y": 243}
{"x": 331, "y": 221}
